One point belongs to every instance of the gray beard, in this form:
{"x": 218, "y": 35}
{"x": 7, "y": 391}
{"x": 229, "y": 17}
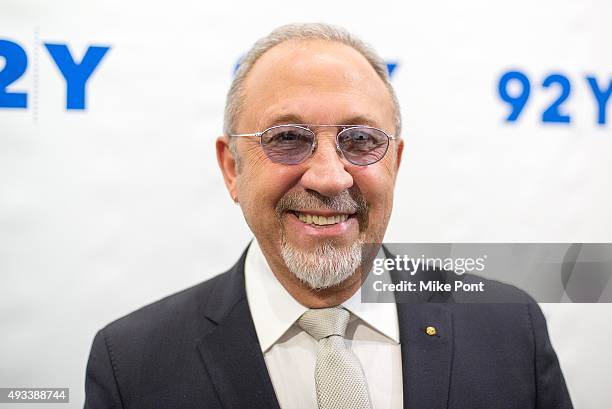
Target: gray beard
{"x": 325, "y": 266}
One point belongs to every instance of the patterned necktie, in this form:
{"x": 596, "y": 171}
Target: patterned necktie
{"x": 339, "y": 377}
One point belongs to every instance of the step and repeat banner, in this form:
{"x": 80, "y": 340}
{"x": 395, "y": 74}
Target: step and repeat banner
{"x": 110, "y": 195}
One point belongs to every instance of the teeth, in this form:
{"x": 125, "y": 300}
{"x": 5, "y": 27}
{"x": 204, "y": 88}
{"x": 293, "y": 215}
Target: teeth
{"x": 321, "y": 220}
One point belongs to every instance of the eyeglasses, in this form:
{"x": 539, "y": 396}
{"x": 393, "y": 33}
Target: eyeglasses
{"x": 292, "y": 144}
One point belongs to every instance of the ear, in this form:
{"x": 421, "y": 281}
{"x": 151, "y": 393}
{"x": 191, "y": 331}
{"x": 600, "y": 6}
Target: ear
{"x": 227, "y": 164}
{"x": 399, "y": 152}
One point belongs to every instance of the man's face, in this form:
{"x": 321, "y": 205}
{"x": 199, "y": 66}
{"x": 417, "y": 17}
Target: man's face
{"x": 312, "y": 82}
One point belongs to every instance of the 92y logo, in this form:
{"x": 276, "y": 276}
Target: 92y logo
{"x": 76, "y": 74}
{"x": 554, "y": 112}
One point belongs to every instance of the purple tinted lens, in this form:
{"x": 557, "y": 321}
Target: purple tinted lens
{"x": 363, "y": 146}
{"x": 288, "y": 145}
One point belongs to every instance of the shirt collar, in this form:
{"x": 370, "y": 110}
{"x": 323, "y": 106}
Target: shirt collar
{"x": 381, "y": 316}
{"x": 274, "y": 310}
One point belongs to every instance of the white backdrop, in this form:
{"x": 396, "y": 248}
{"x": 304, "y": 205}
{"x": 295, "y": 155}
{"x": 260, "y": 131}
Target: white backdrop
{"x": 105, "y": 209}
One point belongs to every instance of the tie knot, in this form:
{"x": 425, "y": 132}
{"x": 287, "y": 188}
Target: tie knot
{"x": 324, "y": 322}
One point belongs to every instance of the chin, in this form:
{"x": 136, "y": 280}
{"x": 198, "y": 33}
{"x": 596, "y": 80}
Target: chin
{"x": 324, "y": 265}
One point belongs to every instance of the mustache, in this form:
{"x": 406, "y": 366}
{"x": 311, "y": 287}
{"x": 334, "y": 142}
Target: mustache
{"x": 347, "y": 201}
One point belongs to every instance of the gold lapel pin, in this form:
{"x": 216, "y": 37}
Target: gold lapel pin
{"x": 431, "y": 331}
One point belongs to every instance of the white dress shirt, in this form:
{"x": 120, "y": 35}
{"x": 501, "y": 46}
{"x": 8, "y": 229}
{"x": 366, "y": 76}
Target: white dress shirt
{"x": 290, "y": 353}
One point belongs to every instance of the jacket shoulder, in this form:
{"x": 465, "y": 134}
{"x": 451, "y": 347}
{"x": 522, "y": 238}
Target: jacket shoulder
{"x": 187, "y": 312}
{"x": 167, "y": 313}
{"x": 135, "y": 358}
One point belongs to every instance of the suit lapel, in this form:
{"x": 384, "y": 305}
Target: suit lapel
{"x": 426, "y": 359}
{"x": 231, "y": 352}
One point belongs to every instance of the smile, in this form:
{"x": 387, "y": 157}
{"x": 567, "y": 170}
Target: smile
{"x": 319, "y": 220}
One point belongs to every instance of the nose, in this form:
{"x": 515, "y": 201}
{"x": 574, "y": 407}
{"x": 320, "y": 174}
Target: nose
{"x": 325, "y": 172}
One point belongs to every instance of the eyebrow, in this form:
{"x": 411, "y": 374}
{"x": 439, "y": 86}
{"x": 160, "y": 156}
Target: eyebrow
{"x": 298, "y": 120}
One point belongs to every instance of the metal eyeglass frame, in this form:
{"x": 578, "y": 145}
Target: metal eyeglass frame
{"x": 314, "y": 144}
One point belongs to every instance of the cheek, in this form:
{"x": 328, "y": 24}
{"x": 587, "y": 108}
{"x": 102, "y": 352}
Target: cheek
{"x": 261, "y": 184}
{"x": 377, "y": 184}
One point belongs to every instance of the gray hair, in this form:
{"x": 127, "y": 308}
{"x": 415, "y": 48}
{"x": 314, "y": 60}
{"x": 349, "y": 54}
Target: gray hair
{"x": 308, "y": 31}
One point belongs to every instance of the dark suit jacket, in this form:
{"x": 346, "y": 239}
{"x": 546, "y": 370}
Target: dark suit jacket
{"x": 199, "y": 349}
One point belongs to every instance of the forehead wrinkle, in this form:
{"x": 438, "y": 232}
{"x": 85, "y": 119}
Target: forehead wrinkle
{"x": 304, "y": 109}
{"x": 286, "y": 119}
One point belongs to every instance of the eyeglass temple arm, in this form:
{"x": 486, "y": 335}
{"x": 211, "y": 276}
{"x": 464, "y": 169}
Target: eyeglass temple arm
{"x": 247, "y": 134}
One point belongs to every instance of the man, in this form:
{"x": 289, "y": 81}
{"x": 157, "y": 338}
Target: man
{"x": 311, "y": 153}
